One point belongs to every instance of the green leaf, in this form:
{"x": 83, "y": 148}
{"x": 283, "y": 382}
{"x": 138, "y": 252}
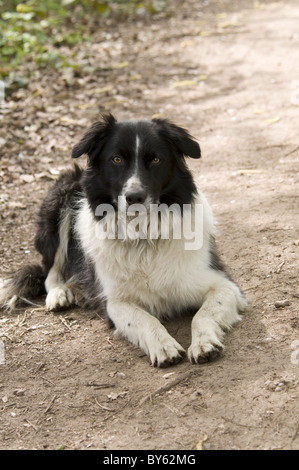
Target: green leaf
{"x": 24, "y": 8}
{"x": 101, "y": 8}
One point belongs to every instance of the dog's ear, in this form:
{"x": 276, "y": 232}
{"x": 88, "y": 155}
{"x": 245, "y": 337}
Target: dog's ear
{"x": 180, "y": 137}
{"x": 94, "y": 139}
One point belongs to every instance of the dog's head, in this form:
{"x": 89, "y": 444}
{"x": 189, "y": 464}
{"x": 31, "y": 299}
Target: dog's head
{"x": 140, "y": 161}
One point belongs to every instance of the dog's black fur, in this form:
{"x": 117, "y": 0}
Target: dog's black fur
{"x": 161, "y": 138}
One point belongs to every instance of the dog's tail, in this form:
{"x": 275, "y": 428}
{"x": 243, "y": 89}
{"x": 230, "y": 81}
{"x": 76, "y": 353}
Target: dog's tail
{"x": 27, "y": 284}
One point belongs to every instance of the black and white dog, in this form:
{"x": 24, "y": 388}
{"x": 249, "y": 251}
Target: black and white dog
{"x": 94, "y": 253}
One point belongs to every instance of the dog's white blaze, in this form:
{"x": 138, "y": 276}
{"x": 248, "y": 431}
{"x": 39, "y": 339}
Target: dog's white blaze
{"x": 134, "y": 182}
{"x": 137, "y": 149}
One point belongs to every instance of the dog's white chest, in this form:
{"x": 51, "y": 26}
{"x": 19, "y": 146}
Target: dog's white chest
{"x": 159, "y": 277}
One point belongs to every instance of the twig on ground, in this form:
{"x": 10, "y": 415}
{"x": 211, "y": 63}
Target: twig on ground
{"x": 103, "y": 407}
{"x": 117, "y": 411}
{"x": 292, "y": 151}
{"x": 50, "y": 404}
{"x": 31, "y": 425}
{"x": 280, "y": 267}
{"x": 168, "y": 386}
{"x": 97, "y": 386}
{"x": 240, "y": 424}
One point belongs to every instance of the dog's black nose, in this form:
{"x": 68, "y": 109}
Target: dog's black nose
{"x": 135, "y": 197}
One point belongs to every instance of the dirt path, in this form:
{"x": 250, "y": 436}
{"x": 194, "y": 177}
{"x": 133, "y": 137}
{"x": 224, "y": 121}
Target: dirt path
{"x": 229, "y": 72}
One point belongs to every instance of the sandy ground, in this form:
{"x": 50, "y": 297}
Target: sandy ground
{"x": 229, "y": 73}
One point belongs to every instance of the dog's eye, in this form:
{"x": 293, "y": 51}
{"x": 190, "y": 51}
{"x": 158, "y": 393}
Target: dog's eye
{"x": 117, "y": 160}
{"x": 156, "y": 160}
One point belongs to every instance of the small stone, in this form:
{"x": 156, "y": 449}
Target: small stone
{"x": 19, "y": 392}
{"x": 282, "y": 303}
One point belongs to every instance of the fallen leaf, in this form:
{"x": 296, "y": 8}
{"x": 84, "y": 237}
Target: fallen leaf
{"x": 117, "y": 101}
{"x": 54, "y": 171}
{"x": 221, "y": 15}
{"x": 100, "y": 8}
{"x": 115, "y": 396}
{"x": 259, "y": 6}
{"x": 199, "y": 445}
{"x": 258, "y": 111}
{"x": 272, "y": 120}
{"x": 158, "y": 116}
{"x": 87, "y": 105}
{"x": 135, "y": 77}
{"x": 187, "y": 43}
{"x": 14, "y": 169}
{"x": 120, "y": 65}
{"x": 68, "y": 120}
{"x": 184, "y": 83}
{"x": 27, "y": 178}
{"x": 205, "y": 34}
{"x": 225, "y": 24}
{"x": 15, "y": 205}
{"x": 99, "y": 91}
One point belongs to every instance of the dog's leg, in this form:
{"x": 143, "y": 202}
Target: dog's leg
{"x": 219, "y": 312}
{"x": 145, "y": 331}
{"x": 58, "y": 294}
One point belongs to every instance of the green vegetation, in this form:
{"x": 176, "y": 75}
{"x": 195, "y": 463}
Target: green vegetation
{"x": 36, "y": 31}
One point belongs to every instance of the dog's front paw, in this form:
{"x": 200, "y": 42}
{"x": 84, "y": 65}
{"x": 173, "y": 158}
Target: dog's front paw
{"x": 206, "y": 342}
{"x": 165, "y": 351}
{"x": 59, "y": 297}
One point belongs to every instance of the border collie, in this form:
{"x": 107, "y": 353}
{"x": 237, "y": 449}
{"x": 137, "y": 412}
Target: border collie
{"x": 136, "y": 279}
